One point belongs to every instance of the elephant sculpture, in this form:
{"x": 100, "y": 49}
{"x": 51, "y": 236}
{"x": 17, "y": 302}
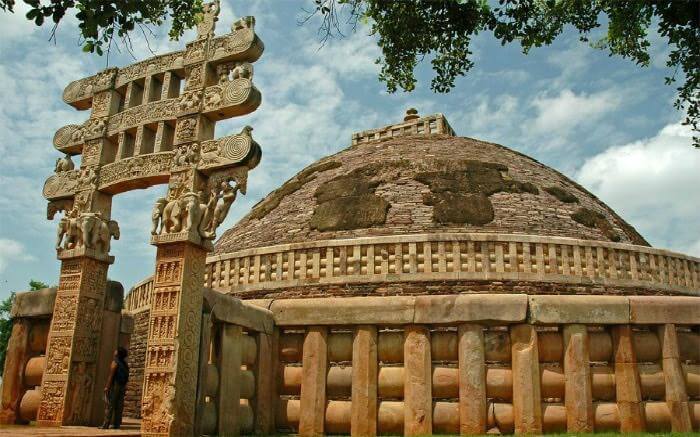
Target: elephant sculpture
{"x": 68, "y": 234}
{"x": 96, "y": 232}
{"x": 172, "y": 216}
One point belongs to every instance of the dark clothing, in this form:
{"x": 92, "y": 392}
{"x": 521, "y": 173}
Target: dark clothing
{"x": 121, "y": 376}
{"x": 115, "y": 395}
{"x": 115, "y": 405}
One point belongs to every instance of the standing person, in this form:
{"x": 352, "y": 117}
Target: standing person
{"x": 115, "y": 388}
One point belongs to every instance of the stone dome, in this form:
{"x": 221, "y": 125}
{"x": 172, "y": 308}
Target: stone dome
{"x": 419, "y": 184}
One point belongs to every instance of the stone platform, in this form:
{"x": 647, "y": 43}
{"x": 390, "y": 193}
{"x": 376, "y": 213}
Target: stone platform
{"x": 130, "y": 427}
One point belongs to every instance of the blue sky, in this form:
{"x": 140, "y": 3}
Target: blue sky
{"x": 603, "y": 121}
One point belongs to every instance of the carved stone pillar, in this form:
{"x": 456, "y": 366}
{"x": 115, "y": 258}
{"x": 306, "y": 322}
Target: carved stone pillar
{"x": 74, "y": 339}
{"x": 172, "y": 354}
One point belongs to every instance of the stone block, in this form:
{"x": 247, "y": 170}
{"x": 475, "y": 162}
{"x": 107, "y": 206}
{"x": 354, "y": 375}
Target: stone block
{"x": 418, "y": 403}
{"x": 395, "y": 310}
{"x": 34, "y": 303}
{"x": 470, "y": 308}
{"x": 579, "y": 309}
{"x": 228, "y": 309}
{"x": 126, "y": 325}
{"x": 114, "y": 296}
{"x": 665, "y": 309}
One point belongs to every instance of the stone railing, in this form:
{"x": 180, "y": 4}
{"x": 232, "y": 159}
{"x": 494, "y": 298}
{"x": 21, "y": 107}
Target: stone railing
{"x": 445, "y": 257}
{"x": 507, "y": 363}
{"x": 139, "y": 297}
{"x": 431, "y": 124}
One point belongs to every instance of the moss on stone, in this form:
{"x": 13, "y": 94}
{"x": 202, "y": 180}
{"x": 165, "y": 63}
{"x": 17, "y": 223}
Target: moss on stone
{"x": 348, "y": 201}
{"x": 562, "y": 194}
{"x": 460, "y": 189}
{"x": 344, "y": 186}
{"x": 350, "y": 212}
{"x": 594, "y": 219}
{"x": 448, "y": 208}
{"x": 273, "y": 199}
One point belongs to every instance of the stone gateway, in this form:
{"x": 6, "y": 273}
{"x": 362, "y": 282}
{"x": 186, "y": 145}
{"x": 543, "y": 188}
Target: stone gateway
{"x": 415, "y": 283}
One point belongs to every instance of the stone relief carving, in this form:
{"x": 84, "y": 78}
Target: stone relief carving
{"x": 88, "y": 230}
{"x": 157, "y": 403}
{"x": 210, "y": 15}
{"x": 247, "y": 22}
{"x": 190, "y": 102}
{"x": 51, "y": 408}
{"x": 137, "y": 167}
{"x": 61, "y": 185}
{"x": 186, "y": 155}
{"x": 199, "y": 211}
{"x": 186, "y": 129}
{"x": 227, "y": 150}
{"x": 63, "y": 138}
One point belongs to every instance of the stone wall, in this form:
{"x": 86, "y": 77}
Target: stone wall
{"x": 137, "y": 357}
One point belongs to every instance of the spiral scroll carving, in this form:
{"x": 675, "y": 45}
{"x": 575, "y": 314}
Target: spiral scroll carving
{"x": 237, "y": 91}
{"x": 236, "y": 147}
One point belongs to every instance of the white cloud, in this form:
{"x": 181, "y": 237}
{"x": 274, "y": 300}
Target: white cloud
{"x": 12, "y": 251}
{"x": 352, "y": 57}
{"x": 653, "y": 183}
{"x": 567, "y": 110}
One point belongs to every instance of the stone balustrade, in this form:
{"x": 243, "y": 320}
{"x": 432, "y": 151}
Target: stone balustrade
{"x": 431, "y": 124}
{"x": 446, "y": 257}
{"x": 471, "y": 364}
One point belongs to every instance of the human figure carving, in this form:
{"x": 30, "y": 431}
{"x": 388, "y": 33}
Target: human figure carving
{"x": 210, "y": 15}
{"x": 226, "y": 197}
{"x": 157, "y": 216}
{"x": 208, "y": 212}
{"x": 64, "y": 164}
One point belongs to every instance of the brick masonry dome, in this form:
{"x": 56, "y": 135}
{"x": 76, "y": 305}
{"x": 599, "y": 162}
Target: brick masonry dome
{"x": 418, "y": 184}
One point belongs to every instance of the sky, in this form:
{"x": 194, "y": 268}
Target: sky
{"x": 603, "y": 121}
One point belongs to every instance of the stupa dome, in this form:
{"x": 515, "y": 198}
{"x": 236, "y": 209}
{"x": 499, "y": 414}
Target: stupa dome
{"x": 417, "y": 184}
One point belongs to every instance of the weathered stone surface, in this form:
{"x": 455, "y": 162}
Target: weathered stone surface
{"x": 665, "y": 309}
{"x": 313, "y": 384}
{"x": 578, "y": 396}
{"x": 470, "y": 308}
{"x": 627, "y": 384}
{"x": 418, "y": 403}
{"x": 472, "y": 380}
{"x": 527, "y": 409}
{"x": 266, "y": 383}
{"x": 229, "y": 392}
{"x": 675, "y": 394}
{"x": 351, "y": 311}
{"x": 12, "y": 387}
{"x": 114, "y": 296}
{"x": 514, "y": 211}
{"x": 126, "y": 325}
{"x": 34, "y": 303}
{"x": 579, "y": 309}
{"x": 228, "y": 309}
{"x": 364, "y": 382}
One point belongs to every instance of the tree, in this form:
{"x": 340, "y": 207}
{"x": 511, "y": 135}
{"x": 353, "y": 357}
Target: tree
{"x": 6, "y": 321}
{"x": 100, "y": 21}
{"x": 409, "y": 31}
